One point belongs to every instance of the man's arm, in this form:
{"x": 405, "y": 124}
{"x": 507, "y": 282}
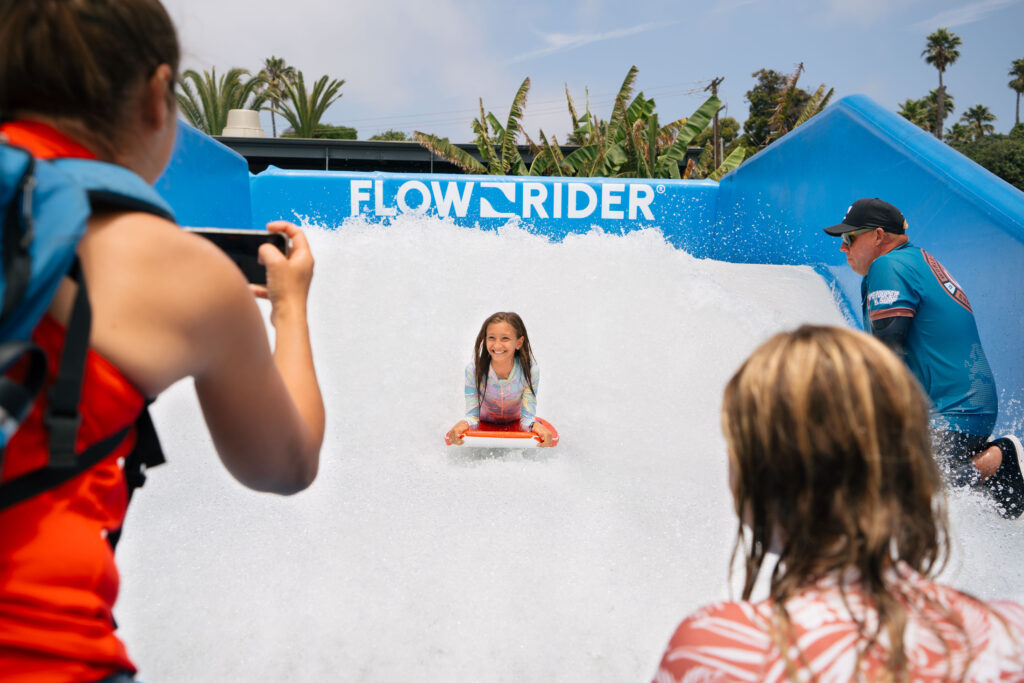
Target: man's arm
{"x": 892, "y": 330}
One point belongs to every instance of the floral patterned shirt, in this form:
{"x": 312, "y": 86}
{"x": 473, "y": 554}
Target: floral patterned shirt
{"x": 731, "y": 641}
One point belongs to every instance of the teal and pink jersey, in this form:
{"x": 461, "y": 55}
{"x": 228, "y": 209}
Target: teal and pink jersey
{"x": 943, "y": 348}
{"x": 504, "y": 400}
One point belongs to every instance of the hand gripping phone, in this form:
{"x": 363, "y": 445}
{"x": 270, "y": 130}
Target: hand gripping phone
{"x": 242, "y": 246}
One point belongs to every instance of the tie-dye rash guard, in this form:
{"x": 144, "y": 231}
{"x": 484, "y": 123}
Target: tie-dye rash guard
{"x": 505, "y": 400}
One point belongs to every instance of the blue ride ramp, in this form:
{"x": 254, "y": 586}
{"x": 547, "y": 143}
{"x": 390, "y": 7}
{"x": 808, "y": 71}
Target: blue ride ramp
{"x": 773, "y": 208}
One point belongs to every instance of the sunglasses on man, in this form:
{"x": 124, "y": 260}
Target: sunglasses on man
{"x": 847, "y": 237}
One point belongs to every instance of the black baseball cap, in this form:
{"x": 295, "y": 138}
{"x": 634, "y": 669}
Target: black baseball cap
{"x": 870, "y": 213}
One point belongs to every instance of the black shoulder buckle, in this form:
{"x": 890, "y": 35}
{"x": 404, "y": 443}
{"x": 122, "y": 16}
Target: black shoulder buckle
{"x": 63, "y": 430}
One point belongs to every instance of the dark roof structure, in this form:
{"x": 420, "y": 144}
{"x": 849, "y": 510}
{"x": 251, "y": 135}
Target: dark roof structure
{"x": 360, "y": 155}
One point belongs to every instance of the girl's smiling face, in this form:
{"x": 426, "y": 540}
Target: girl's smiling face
{"x": 502, "y": 342}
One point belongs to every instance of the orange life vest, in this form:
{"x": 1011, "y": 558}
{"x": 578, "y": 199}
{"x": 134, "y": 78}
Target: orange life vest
{"x": 58, "y": 579}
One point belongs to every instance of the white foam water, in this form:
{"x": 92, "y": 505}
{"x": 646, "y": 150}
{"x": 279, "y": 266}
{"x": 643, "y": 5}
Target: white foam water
{"x": 407, "y": 560}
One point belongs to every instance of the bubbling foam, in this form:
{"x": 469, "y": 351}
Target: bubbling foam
{"x": 407, "y": 560}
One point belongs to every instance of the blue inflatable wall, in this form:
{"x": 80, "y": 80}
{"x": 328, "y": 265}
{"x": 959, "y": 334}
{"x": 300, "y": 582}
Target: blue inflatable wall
{"x": 554, "y": 206}
{"x": 770, "y": 210}
{"x": 206, "y": 183}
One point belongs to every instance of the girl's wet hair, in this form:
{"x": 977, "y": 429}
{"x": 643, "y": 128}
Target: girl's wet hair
{"x": 82, "y": 59}
{"x": 482, "y": 359}
{"x": 832, "y": 468}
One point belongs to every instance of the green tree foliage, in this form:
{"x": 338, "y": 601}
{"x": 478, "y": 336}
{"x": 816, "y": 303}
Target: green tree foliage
{"x": 793, "y": 109}
{"x": 495, "y": 143}
{"x": 391, "y": 135}
{"x": 204, "y": 99}
{"x": 303, "y": 108}
{"x": 958, "y": 134}
{"x": 922, "y": 112}
{"x": 586, "y": 128}
{"x": 931, "y": 103}
{"x": 776, "y": 104}
{"x": 978, "y": 121}
{"x": 274, "y": 73}
{"x": 1017, "y": 83}
{"x": 728, "y": 131}
{"x": 918, "y": 113}
{"x": 1003, "y": 155}
{"x": 941, "y": 52}
{"x": 631, "y": 143}
{"x": 763, "y": 99}
{"x": 326, "y": 131}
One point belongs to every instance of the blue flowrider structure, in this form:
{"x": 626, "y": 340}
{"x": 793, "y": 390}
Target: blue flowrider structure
{"x": 770, "y": 210}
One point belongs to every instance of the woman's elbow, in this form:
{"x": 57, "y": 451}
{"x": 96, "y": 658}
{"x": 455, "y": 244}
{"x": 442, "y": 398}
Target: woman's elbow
{"x": 292, "y": 471}
{"x": 302, "y": 472}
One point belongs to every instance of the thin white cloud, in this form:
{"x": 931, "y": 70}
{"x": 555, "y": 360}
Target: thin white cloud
{"x": 860, "y": 13}
{"x": 728, "y": 6}
{"x": 562, "y": 42}
{"x": 960, "y": 16}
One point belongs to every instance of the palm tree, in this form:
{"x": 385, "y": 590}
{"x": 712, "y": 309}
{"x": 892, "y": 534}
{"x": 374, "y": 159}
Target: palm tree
{"x": 941, "y": 51}
{"x": 206, "y": 106}
{"x": 303, "y": 109}
{"x": 274, "y": 73}
{"x": 931, "y": 103}
{"x": 1017, "y": 84}
{"x": 958, "y": 134}
{"x": 918, "y": 113}
{"x": 978, "y": 120}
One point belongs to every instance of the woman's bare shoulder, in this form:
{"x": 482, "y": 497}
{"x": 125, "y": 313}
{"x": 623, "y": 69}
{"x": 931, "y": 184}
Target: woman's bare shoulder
{"x": 158, "y": 292}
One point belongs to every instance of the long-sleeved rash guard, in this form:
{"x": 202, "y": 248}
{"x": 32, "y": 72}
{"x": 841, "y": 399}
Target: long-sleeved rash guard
{"x": 504, "y": 400}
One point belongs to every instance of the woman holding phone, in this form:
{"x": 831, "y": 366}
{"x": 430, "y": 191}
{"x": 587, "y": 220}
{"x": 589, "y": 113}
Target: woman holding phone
{"x": 95, "y": 79}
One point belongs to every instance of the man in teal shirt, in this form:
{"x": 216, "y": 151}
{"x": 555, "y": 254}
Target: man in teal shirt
{"x": 911, "y": 303}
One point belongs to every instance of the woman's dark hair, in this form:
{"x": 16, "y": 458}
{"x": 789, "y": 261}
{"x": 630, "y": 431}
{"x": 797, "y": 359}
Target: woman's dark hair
{"x": 482, "y": 359}
{"x": 832, "y": 467}
{"x": 82, "y": 60}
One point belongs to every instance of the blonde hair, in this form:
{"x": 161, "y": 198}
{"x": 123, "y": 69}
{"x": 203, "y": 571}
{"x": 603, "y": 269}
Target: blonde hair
{"x": 831, "y": 460}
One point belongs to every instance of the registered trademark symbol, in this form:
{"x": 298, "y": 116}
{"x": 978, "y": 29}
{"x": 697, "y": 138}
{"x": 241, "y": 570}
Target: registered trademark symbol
{"x": 660, "y": 189}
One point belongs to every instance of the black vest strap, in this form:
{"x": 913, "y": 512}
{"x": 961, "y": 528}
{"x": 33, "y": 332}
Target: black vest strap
{"x": 43, "y": 479}
{"x": 147, "y": 453}
{"x": 62, "y": 418}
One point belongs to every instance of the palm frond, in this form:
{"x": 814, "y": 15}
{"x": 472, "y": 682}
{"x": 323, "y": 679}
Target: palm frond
{"x": 443, "y": 148}
{"x": 734, "y": 159}
{"x": 696, "y": 123}
{"x": 510, "y": 158}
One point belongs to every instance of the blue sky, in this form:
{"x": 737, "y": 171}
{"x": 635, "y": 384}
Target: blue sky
{"x": 412, "y": 64}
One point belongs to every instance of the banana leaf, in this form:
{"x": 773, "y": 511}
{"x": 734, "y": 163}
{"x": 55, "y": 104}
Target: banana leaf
{"x": 558, "y": 160}
{"x": 584, "y": 159}
{"x": 692, "y": 128}
{"x": 510, "y": 158}
{"x": 615, "y": 157}
{"x": 734, "y": 159}
{"x": 819, "y": 100}
{"x": 449, "y": 152}
{"x": 572, "y": 109}
{"x": 639, "y": 108}
{"x": 619, "y": 108}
